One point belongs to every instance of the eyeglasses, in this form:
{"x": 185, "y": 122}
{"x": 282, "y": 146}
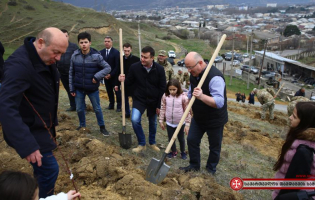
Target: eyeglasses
{"x": 190, "y": 68}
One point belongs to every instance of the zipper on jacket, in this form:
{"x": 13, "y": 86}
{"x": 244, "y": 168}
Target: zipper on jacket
{"x": 83, "y": 75}
{"x": 173, "y": 111}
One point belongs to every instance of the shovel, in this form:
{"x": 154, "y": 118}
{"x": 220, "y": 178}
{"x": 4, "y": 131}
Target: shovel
{"x": 157, "y": 169}
{"x": 124, "y": 138}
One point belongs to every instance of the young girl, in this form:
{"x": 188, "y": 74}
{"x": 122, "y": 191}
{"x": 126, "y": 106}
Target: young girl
{"x": 173, "y": 106}
{"x": 297, "y": 157}
{"x": 22, "y": 186}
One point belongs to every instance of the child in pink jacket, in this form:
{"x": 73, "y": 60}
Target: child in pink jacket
{"x": 173, "y": 106}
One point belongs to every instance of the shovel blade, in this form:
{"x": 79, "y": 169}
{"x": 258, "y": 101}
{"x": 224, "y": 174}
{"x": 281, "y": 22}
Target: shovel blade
{"x": 154, "y": 174}
{"x": 125, "y": 140}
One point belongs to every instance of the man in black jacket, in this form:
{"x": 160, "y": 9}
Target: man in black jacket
{"x": 112, "y": 57}
{"x": 29, "y": 102}
{"x": 64, "y": 67}
{"x": 128, "y": 60}
{"x": 149, "y": 80}
{"x": 210, "y": 112}
{"x": 1, "y": 61}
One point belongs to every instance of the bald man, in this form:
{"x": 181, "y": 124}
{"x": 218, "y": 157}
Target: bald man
{"x": 210, "y": 112}
{"x": 29, "y": 101}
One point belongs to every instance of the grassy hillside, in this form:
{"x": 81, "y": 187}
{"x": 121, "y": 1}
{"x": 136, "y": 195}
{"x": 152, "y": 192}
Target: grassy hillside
{"x": 27, "y": 17}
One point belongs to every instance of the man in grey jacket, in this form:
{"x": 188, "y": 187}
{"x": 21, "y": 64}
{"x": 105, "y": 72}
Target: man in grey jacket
{"x": 87, "y": 68}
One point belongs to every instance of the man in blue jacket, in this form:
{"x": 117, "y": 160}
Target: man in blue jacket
{"x": 63, "y": 68}
{"x": 87, "y": 69}
{"x": 149, "y": 80}
{"x": 112, "y": 57}
{"x": 29, "y": 102}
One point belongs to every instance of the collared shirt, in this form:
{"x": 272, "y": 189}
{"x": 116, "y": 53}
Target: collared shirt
{"x": 148, "y": 68}
{"x": 216, "y": 88}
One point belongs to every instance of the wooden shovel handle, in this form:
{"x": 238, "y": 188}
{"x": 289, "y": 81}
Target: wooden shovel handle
{"x": 278, "y": 91}
{"x": 122, "y": 83}
{"x": 192, "y": 100}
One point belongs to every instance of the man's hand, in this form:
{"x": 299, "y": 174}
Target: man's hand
{"x": 162, "y": 126}
{"x": 121, "y": 77}
{"x": 72, "y": 194}
{"x": 186, "y": 130}
{"x": 197, "y": 93}
{"x": 73, "y": 94}
{"x": 35, "y": 157}
{"x": 107, "y": 76}
{"x": 94, "y": 81}
{"x": 116, "y": 88}
{"x": 157, "y": 111}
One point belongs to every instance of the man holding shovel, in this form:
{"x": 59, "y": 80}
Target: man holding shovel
{"x": 149, "y": 82}
{"x": 209, "y": 112}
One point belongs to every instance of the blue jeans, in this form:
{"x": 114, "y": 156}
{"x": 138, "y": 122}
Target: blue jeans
{"x": 46, "y": 175}
{"x": 194, "y": 139}
{"x": 80, "y": 106}
{"x": 137, "y": 127}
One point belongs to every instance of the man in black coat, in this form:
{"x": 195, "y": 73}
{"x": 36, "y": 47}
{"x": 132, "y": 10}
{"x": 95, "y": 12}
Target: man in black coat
{"x": 29, "y": 102}
{"x": 300, "y": 92}
{"x": 128, "y": 60}
{"x": 1, "y": 61}
{"x": 64, "y": 67}
{"x": 149, "y": 80}
{"x": 112, "y": 57}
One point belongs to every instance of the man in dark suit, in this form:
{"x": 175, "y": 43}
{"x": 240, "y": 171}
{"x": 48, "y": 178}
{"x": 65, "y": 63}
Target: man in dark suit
{"x": 128, "y": 59}
{"x": 111, "y": 56}
{"x": 1, "y": 61}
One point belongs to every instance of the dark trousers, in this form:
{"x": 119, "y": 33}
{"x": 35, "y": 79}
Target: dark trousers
{"x": 180, "y": 136}
{"x": 46, "y": 175}
{"x": 194, "y": 139}
{"x": 109, "y": 84}
{"x": 65, "y": 82}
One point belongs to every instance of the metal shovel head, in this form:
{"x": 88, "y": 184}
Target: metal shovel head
{"x": 156, "y": 171}
{"x": 125, "y": 140}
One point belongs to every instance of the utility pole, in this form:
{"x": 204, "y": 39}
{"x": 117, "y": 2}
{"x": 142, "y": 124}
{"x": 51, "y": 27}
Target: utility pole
{"x": 262, "y": 63}
{"x": 139, "y": 35}
{"x": 251, "y": 47}
{"x": 247, "y": 43}
{"x": 232, "y": 60}
{"x": 299, "y": 48}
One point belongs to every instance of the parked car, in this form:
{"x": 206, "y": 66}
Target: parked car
{"x": 181, "y": 63}
{"x": 171, "y": 54}
{"x": 245, "y": 68}
{"x": 171, "y": 60}
{"x": 245, "y": 55}
{"x": 228, "y": 57}
{"x": 268, "y": 74}
{"x": 236, "y": 62}
{"x": 254, "y": 70}
{"x": 218, "y": 59}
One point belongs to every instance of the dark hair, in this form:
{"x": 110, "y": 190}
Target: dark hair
{"x": 64, "y": 31}
{"x": 306, "y": 114}
{"x": 84, "y": 35}
{"x": 173, "y": 82}
{"x": 16, "y": 185}
{"x": 108, "y": 37}
{"x": 148, "y": 49}
{"x": 127, "y": 45}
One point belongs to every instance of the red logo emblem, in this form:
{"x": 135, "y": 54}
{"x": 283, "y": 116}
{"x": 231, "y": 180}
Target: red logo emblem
{"x": 236, "y": 183}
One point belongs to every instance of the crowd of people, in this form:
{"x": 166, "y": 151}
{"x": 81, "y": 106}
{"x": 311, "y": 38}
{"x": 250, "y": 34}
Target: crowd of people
{"x": 29, "y": 99}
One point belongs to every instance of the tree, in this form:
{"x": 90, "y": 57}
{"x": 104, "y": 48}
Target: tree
{"x": 291, "y": 30}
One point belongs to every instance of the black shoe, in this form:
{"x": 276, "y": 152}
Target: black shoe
{"x": 118, "y": 110}
{"x": 104, "y": 132}
{"x": 71, "y": 109}
{"x": 110, "y": 108}
{"x": 210, "y": 171}
{"x": 80, "y": 128}
{"x": 189, "y": 169}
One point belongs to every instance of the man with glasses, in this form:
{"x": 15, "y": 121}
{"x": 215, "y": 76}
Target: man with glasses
{"x": 210, "y": 112}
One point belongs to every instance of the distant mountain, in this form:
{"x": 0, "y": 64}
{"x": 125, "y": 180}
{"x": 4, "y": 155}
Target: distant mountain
{"x": 106, "y": 5}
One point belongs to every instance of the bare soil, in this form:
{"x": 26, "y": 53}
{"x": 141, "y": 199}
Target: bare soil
{"x": 103, "y": 170}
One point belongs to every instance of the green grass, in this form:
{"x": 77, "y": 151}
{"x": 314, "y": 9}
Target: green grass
{"x": 238, "y": 85}
{"x": 307, "y": 60}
